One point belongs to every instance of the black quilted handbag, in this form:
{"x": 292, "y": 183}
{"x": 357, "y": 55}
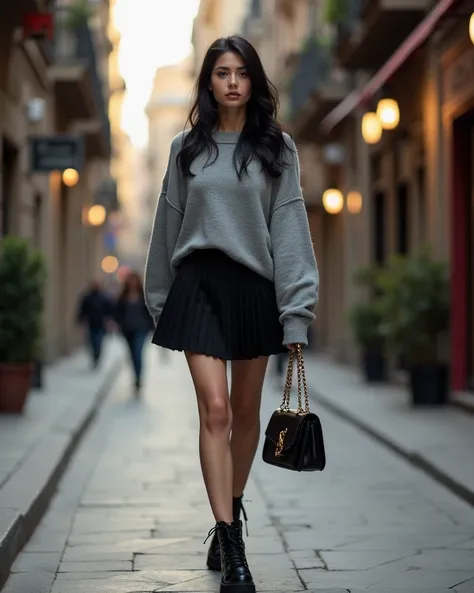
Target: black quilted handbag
{"x": 294, "y": 438}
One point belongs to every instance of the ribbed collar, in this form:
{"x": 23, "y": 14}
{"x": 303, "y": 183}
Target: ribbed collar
{"x": 226, "y": 137}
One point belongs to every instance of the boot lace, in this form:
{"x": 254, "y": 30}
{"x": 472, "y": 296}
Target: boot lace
{"x": 245, "y": 517}
{"x": 233, "y": 547}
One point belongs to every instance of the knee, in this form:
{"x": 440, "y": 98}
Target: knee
{"x": 216, "y": 414}
{"x": 246, "y": 413}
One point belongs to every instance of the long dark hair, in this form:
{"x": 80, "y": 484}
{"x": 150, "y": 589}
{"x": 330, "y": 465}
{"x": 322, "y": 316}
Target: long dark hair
{"x": 261, "y": 137}
{"x": 131, "y": 277}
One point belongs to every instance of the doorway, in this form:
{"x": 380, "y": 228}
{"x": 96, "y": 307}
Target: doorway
{"x": 470, "y": 265}
{"x": 403, "y": 231}
{"x": 9, "y": 164}
{"x": 378, "y": 228}
{"x": 462, "y": 254}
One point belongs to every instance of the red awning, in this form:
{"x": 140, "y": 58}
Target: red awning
{"x": 411, "y": 43}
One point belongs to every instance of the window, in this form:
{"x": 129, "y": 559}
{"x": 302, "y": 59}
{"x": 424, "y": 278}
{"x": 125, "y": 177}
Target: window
{"x": 37, "y": 208}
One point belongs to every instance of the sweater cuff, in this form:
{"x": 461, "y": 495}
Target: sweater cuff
{"x": 295, "y": 330}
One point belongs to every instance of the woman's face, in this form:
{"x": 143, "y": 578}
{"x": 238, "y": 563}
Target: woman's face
{"x": 230, "y": 82}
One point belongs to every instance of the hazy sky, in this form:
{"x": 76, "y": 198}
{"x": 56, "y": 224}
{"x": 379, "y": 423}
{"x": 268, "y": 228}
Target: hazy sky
{"x": 154, "y": 33}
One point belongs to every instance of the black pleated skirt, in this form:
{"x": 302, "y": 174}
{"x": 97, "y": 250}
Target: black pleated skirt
{"x": 220, "y": 308}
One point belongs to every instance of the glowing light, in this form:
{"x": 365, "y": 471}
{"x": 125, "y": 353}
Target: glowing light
{"x": 109, "y": 264}
{"x": 371, "y": 128}
{"x": 388, "y": 113}
{"x": 333, "y": 201}
{"x": 96, "y": 215}
{"x": 354, "y": 202}
{"x": 70, "y": 177}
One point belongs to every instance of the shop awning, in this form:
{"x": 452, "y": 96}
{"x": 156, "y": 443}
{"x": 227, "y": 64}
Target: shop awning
{"x": 418, "y": 36}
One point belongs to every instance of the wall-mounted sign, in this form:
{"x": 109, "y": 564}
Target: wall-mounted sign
{"x": 106, "y": 195}
{"x": 38, "y": 25}
{"x": 56, "y": 153}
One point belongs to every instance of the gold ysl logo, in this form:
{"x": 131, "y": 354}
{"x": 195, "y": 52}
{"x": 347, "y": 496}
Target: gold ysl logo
{"x": 280, "y": 444}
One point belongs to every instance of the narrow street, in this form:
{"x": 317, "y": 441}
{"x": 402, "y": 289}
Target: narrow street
{"x": 131, "y": 513}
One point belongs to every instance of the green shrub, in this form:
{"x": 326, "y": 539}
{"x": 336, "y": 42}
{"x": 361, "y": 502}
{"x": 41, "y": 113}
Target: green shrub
{"x": 22, "y": 284}
{"x": 336, "y": 11}
{"x": 365, "y": 316}
{"x": 415, "y": 309}
{"x": 78, "y": 14}
{"x": 366, "y": 324}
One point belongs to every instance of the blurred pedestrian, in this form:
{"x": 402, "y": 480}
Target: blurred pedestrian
{"x": 134, "y": 322}
{"x": 95, "y": 312}
{"x": 231, "y": 273}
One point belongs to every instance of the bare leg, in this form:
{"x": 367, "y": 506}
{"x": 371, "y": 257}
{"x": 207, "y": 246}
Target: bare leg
{"x": 215, "y": 416}
{"x": 245, "y": 398}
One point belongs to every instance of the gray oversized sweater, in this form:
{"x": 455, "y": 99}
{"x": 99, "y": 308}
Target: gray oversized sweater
{"x": 258, "y": 221}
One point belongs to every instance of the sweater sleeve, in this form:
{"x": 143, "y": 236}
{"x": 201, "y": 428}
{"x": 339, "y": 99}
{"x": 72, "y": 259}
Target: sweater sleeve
{"x": 295, "y": 268}
{"x": 159, "y": 274}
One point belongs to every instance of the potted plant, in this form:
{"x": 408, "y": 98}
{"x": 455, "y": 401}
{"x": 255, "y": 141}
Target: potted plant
{"x": 366, "y": 322}
{"x": 22, "y": 281}
{"x": 78, "y": 14}
{"x": 415, "y": 309}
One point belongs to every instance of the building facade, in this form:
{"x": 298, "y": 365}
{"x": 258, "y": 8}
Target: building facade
{"x": 167, "y": 112}
{"x": 215, "y": 18}
{"x": 51, "y": 89}
{"x": 401, "y": 186}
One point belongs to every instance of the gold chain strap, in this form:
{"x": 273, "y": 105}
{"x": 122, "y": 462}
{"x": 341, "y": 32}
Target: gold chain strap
{"x": 302, "y": 384}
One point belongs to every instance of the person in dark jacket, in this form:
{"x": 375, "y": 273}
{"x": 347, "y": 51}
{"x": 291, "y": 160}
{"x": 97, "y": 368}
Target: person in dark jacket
{"x": 134, "y": 321}
{"x": 94, "y": 313}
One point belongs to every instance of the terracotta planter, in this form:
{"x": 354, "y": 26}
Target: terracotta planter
{"x": 15, "y": 384}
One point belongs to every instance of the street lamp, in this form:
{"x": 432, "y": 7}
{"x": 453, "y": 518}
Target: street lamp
{"x": 96, "y": 215}
{"x": 371, "y": 128}
{"x": 70, "y": 177}
{"x": 388, "y": 113}
{"x": 333, "y": 201}
{"x": 354, "y": 202}
{"x": 109, "y": 264}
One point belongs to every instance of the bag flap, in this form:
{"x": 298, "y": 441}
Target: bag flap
{"x": 288, "y": 425}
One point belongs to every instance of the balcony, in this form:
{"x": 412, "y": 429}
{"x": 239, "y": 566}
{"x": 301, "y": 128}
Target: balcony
{"x": 372, "y": 30}
{"x": 316, "y": 88}
{"x": 12, "y": 13}
{"x": 79, "y": 88}
{"x": 253, "y": 27}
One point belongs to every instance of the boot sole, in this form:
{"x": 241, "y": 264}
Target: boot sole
{"x": 237, "y": 588}
{"x": 214, "y": 563}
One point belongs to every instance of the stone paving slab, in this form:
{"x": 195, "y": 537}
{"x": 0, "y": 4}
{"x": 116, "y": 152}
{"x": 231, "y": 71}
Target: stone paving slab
{"x": 440, "y": 441}
{"x": 132, "y": 513}
{"x": 36, "y": 446}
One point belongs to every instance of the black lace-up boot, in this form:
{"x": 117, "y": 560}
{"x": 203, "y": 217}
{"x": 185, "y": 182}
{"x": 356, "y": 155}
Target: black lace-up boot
{"x": 214, "y": 554}
{"x": 236, "y": 575}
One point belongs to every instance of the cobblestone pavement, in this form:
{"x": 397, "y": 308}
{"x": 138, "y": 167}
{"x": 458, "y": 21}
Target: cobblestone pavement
{"x": 131, "y": 514}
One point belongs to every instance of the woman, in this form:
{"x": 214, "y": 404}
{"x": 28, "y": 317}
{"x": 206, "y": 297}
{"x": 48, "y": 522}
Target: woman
{"x": 134, "y": 321}
{"x": 231, "y": 273}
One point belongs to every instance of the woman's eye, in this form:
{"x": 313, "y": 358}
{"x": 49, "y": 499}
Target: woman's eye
{"x": 221, "y": 74}
{"x": 244, "y": 74}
